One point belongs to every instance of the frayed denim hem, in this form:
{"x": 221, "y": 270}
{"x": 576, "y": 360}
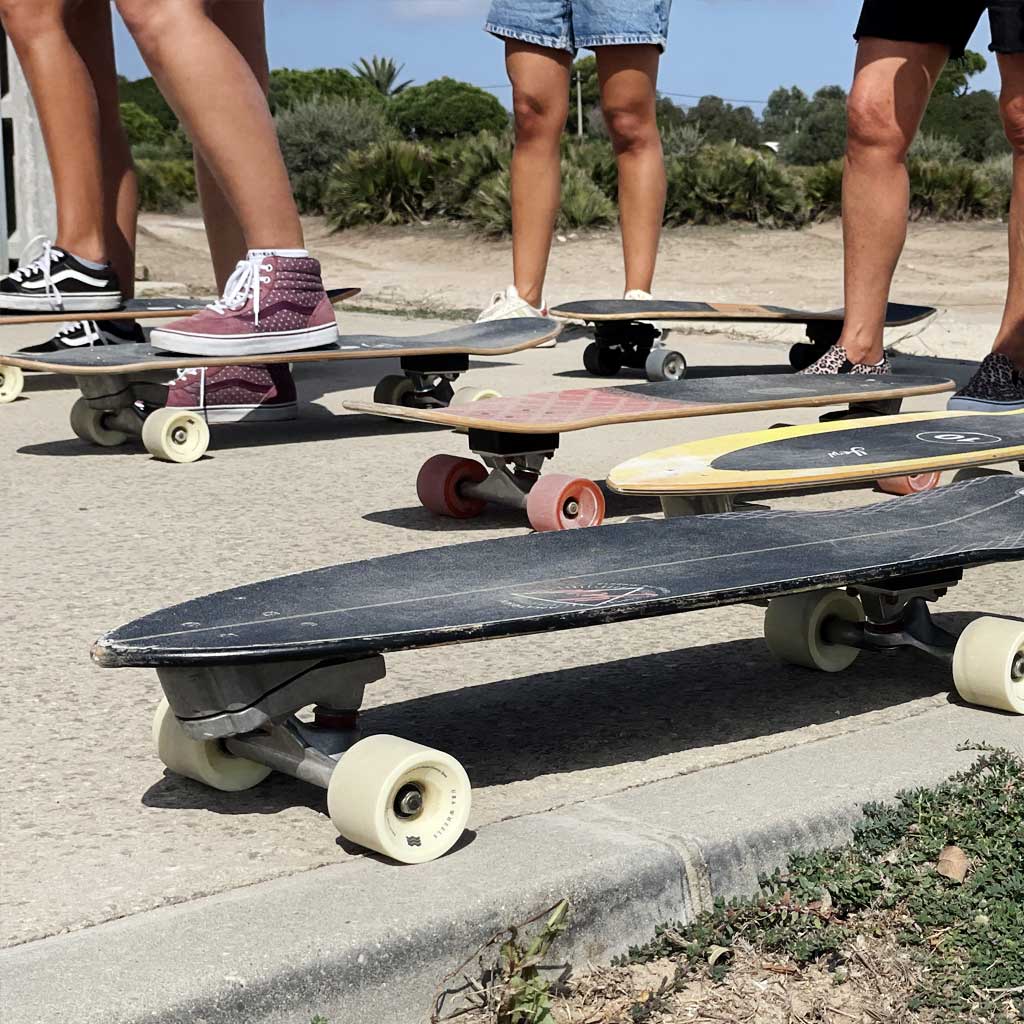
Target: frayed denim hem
{"x": 548, "y": 42}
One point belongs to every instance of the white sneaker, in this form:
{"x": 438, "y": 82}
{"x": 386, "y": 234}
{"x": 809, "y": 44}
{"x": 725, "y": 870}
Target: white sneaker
{"x": 509, "y": 305}
{"x": 636, "y": 295}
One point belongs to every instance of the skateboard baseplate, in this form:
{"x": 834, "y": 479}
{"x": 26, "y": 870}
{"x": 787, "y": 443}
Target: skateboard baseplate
{"x": 514, "y": 437}
{"x": 120, "y": 400}
{"x": 237, "y": 666}
{"x": 625, "y": 334}
{"x": 903, "y": 453}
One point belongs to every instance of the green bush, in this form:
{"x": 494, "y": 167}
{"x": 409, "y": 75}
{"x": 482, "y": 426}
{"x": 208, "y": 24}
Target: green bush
{"x": 998, "y": 173}
{"x": 145, "y": 94}
{"x": 723, "y": 183}
{"x": 315, "y": 134}
{"x": 937, "y": 147}
{"x": 584, "y": 205}
{"x": 445, "y": 109}
{"x": 949, "y": 191}
{"x": 165, "y": 185}
{"x": 140, "y": 127}
{"x": 683, "y": 141}
{"x": 468, "y": 163}
{"x": 823, "y": 189}
{"x": 490, "y": 208}
{"x": 597, "y": 159}
{"x": 289, "y": 87}
{"x": 390, "y": 183}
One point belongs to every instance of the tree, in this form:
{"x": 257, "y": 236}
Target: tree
{"x": 784, "y": 113}
{"x": 289, "y": 87}
{"x": 146, "y": 97}
{"x": 140, "y": 127}
{"x": 956, "y": 75}
{"x": 972, "y": 119}
{"x": 822, "y": 133}
{"x": 445, "y": 109}
{"x": 719, "y": 121}
{"x": 381, "y": 73}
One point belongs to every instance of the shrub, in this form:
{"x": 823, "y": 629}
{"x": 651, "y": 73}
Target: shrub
{"x": 584, "y": 205}
{"x": 165, "y": 185}
{"x": 315, "y": 134}
{"x": 140, "y": 127}
{"x": 949, "y": 191}
{"x": 289, "y": 87}
{"x": 468, "y": 164}
{"x": 823, "y": 189}
{"x": 998, "y": 174}
{"x": 595, "y": 157}
{"x": 444, "y": 109}
{"x": 390, "y": 183}
{"x": 732, "y": 183}
{"x": 490, "y": 208}
{"x": 683, "y": 141}
{"x": 944, "y": 148}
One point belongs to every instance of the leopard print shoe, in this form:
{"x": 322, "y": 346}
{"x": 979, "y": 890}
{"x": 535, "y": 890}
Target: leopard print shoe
{"x": 836, "y": 361}
{"x": 997, "y": 386}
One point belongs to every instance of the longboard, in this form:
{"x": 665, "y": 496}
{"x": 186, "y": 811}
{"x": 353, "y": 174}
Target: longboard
{"x": 108, "y": 375}
{"x": 514, "y": 436}
{"x": 624, "y": 334}
{"x": 236, "y": 666}
{"x": 137, "y": 309}
{"x": 794, "y": 458}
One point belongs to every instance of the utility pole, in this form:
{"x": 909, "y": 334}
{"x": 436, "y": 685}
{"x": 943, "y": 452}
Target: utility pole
{"x": 579, "y": 104}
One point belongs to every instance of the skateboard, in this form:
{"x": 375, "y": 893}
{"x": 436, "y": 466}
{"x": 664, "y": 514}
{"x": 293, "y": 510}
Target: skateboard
{"x": 913, "y": 449}
{"x": 625, "y": 333}
{"x": 11, "y": 377}
{"x": 515, "y": 436}
{"x": 236, "y": 667}
{"x": 117, "y": 403}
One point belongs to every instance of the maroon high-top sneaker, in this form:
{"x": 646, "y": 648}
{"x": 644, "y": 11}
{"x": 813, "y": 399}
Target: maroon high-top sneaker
{"x": 235, "y": 394}
{"x": 270, "y": 304}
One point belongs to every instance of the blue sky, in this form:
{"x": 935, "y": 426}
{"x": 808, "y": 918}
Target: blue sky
{"x": 739, "y": 49}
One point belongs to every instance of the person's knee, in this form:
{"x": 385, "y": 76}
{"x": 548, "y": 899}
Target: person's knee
{"x": 148, "y": 21}
{"x": 1012, "y": 109}
{"x": 538, "y": 117}
{"x": 25, "y": 19}
{"x": 872, "y": 125}
{"x": 630, "y": 127}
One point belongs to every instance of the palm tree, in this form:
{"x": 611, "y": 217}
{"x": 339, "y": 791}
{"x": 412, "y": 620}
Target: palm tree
{"x": 381, "y": 73}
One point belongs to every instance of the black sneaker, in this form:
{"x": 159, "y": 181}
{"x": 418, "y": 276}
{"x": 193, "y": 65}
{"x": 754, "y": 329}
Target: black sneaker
{"x": 836, "y": 361}
{"x": 86, "y": 334}
{"x": 997, "y": 386}
{"x": 56, "y": 281}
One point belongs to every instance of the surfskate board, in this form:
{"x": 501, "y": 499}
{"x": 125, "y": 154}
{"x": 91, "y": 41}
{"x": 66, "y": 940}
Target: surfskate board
{"x": 118, "y": 403}
{"x": 915, "y": 448}
{"x": 625, "y": 333}
{"x": 513, "y": 437}
{"x": 235, "y": 667}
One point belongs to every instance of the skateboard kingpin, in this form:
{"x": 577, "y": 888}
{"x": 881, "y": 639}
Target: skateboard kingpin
{"x": 625, "y": 333}
{"x": 237, "y": 666}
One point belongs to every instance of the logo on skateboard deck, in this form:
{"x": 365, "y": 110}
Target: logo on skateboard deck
{"x": 957, "y": 437}
{"x": 585, "y": 597}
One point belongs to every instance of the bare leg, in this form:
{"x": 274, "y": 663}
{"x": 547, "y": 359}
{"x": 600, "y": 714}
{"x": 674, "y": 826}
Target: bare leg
{"x": 540, "y": 100}
{"x": 1010, "y": 340}
{"x": 69, "y": 116}
{"x": 629, "y": 78}
{"x": 891, "y": 88}
{"x": 215, "y": 94}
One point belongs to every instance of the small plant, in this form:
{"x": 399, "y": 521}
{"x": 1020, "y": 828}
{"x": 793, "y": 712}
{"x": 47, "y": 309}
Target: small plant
{"x": 469, "y": 163}
{"x": 490, "y": 208}
{"x": 949, "y": 191}
{"x": 683, "y": 141}
{"x": 165, "y": 186}
{"x": 584, "y": 205}
{"x": 936, "y": 147}
{"x": 823, "y": 188}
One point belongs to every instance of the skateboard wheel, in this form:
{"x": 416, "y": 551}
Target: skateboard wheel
{"x": 793, "y": 629}
{"x": 912, "y": 484}
{"x": 399, "y": 798}
{"x": 467, "y": 396}
{"x": 977, "y": 473}
{"x": 564, "y": 503}
{"x": 12, "y": 383}
{"x": 206, "y": 761}
{"x": 87, "y": 423}
{"x": 602, "y": 361}
{"x": 393, "y": 390}
{"x": 439, "y": 481}
{"x": 175, "y": 435}
{"x": 665, "y": 364}
{"x": 988, "y": 664}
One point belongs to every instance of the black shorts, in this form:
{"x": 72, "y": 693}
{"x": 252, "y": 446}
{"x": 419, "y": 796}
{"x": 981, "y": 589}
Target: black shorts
{"x": 949, "y": 22}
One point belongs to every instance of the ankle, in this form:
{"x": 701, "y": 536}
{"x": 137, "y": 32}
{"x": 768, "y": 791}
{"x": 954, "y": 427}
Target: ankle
{"x": 863, "y": 349}
{"x": 1013, "y": 349}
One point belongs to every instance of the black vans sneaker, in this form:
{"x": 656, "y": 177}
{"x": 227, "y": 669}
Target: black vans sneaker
{"x": 997, "y": 386}
{"x": 56, "y": 281}
{"x": 86, "y": 334}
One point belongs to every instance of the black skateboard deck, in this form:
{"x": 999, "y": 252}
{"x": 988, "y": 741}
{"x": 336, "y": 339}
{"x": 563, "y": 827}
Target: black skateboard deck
{"x": 625, "y": 335}
{"x": 237, "y": 666}
{"x": 514, "y": 436}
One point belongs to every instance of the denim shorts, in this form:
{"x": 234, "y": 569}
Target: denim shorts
{"x": 581, "y": 24}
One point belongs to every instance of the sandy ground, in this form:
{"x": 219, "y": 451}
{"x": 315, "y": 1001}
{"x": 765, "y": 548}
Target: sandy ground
{"x": 438, "y": 269}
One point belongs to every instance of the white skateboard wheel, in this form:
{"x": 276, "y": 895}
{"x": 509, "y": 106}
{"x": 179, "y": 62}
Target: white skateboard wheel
{"x": 12, "y": 383}
{"x": 793, "y": 624}
{"x": 393, "y": 389}
{"x": 988, "y": 664}
{"x": 205, "y": 761}
{"x": 176, "y": 435}
{"x": 467, "y": 396}
{"x": 665, "y": 364}
{"x": 87, "y": 423}
{"x": 400, "y": 799}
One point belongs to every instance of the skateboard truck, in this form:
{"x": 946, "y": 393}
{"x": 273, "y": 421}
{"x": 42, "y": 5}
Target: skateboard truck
{"x": 636, "y": 344}
{"x": 425, "y": 381}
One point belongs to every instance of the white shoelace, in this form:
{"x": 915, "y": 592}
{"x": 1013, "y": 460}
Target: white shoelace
{"x": 246, "y": 281}
{"x": 184, "y": 375}
{"x": 41, "y": 263}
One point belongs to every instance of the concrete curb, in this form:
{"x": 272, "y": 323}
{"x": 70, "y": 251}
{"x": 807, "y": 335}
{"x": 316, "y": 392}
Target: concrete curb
{"x": 366, "y": 941}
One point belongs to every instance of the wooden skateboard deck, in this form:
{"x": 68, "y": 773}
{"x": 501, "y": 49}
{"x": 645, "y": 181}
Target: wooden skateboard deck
{"x": 581, "y": 408}
{"x": 514, "y": 436}
{"x": 139, "y": 309}
{"x": 829, "y": 453}
{"x": 602, "y": 310}
{"x": 236, "y": 666}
